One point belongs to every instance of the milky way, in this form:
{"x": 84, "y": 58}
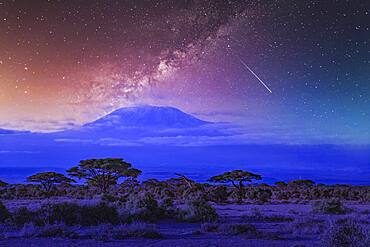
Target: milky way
{"x": 68, "y": 62}
{"x": 100, "y": 53}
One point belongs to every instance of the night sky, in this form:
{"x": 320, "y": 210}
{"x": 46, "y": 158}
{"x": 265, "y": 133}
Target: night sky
{"x": 64, "y": 63}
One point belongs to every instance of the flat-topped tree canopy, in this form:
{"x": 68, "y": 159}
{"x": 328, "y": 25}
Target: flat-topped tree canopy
{"x": 103, "y": 172}
{"x": 235, "y": 176}
{"x": 301, "y": 183}
{"x": 49, "y": 179}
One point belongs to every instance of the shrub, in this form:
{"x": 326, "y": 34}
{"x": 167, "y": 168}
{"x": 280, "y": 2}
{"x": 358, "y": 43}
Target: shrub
{"x": 98, "y": 214}
{"x": 74, "y": 214}
{"x": 199, "y": 210}
{"x": 307, "y": 227}
{"x": 143, "y": 208}
{"x": 247, "y": 230}
{"x": 4, "y": 213}
{"x": 218, "y": 194}
{"x": 50, "y": 231}
{"x": 329, "y": 206}
{"x": 257, "y": 216}
{"x": 102, "y": 232}
{"x": 166, "y": 203}
{"x": 134, "y": 230}
{"x": 261, "y": 195}
{"x": 22, "y": 216}
{"x": 29, "y": 230}
{"x": 345, "y": 233}
{"x": 109, "y": 198}
{"x": 209, "y": 227}
{"x": 67, "y": 213}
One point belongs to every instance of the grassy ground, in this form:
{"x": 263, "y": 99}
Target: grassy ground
{"x": 276, "y": 225}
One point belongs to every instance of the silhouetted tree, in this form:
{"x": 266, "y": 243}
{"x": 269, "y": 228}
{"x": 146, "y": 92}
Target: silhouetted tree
{"x": 103, "y": 173}
{"x": 280, "y": 184}
{"x": 301, "y": 183}
{"x": 237, "y": 179}
{"x": 48, "y": 180}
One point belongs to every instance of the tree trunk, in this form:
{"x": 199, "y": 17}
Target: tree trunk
{"x": 241, "y": 192}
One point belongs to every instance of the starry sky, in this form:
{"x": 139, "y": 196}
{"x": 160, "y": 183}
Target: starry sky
{"x": 65, "y": 63}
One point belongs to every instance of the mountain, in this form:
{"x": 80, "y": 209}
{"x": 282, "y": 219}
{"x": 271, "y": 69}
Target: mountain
{"x": 142, "y": 125}
{"x": 148, "y": 116}
{"x": 133, "y": 126}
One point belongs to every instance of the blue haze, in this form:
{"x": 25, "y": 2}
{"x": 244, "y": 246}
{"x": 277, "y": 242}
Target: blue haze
{"x": 163, "y": 140}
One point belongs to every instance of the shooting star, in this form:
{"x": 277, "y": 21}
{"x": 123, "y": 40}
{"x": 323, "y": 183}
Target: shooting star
{"x": 255, "y": 75}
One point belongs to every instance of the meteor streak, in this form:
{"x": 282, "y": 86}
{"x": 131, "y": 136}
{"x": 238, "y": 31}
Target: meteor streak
{"x": 255, "y": 75}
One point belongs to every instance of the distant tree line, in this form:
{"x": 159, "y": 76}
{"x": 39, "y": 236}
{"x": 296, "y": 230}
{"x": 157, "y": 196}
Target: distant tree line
{"x": 101, "y": 176}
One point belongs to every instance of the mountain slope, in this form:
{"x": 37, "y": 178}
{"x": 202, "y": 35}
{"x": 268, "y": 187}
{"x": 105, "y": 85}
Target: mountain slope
{"x": 148, "y": 116}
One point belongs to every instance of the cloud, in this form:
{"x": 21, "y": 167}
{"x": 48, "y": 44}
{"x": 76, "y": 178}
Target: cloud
{"x": 37, "y": 125}
{"x": 73, "y": 140}
{"x": 206, "y": 135}
{"x": 17, "y": 152}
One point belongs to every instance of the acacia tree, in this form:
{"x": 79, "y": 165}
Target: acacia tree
{"x": 237, "y": 179}
{"x": 102, "y": 173}
{"x": 48, "y": 180}
{"x": 302, "y": 183}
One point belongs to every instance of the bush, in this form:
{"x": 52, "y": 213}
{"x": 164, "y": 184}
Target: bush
{"x": 67, "y": 213}
{"x": 257, "y": 216}
{"x": 134, "y": 230}
{"x": 143, "y": 208}
{"x": 4, "y": 213}
{"x": 74, "y": 214}
{"x": 199, "y": 210}
{"x": 218, "y": 194}
{"x": 307, "y": 227}
{"x": 247, "y": 230}
{"x": 109, "y": 198}
{"x": 98, "y": 214}
{"x": 29, "y": 230}
{"x": 329, "y": 206}
{"x": 22, "y": 216}
{"x": 209, "y": 227}
{"x": 50, "y": 231}
{"x": 345, "y": 233}
{"x": 260, "y": 195}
